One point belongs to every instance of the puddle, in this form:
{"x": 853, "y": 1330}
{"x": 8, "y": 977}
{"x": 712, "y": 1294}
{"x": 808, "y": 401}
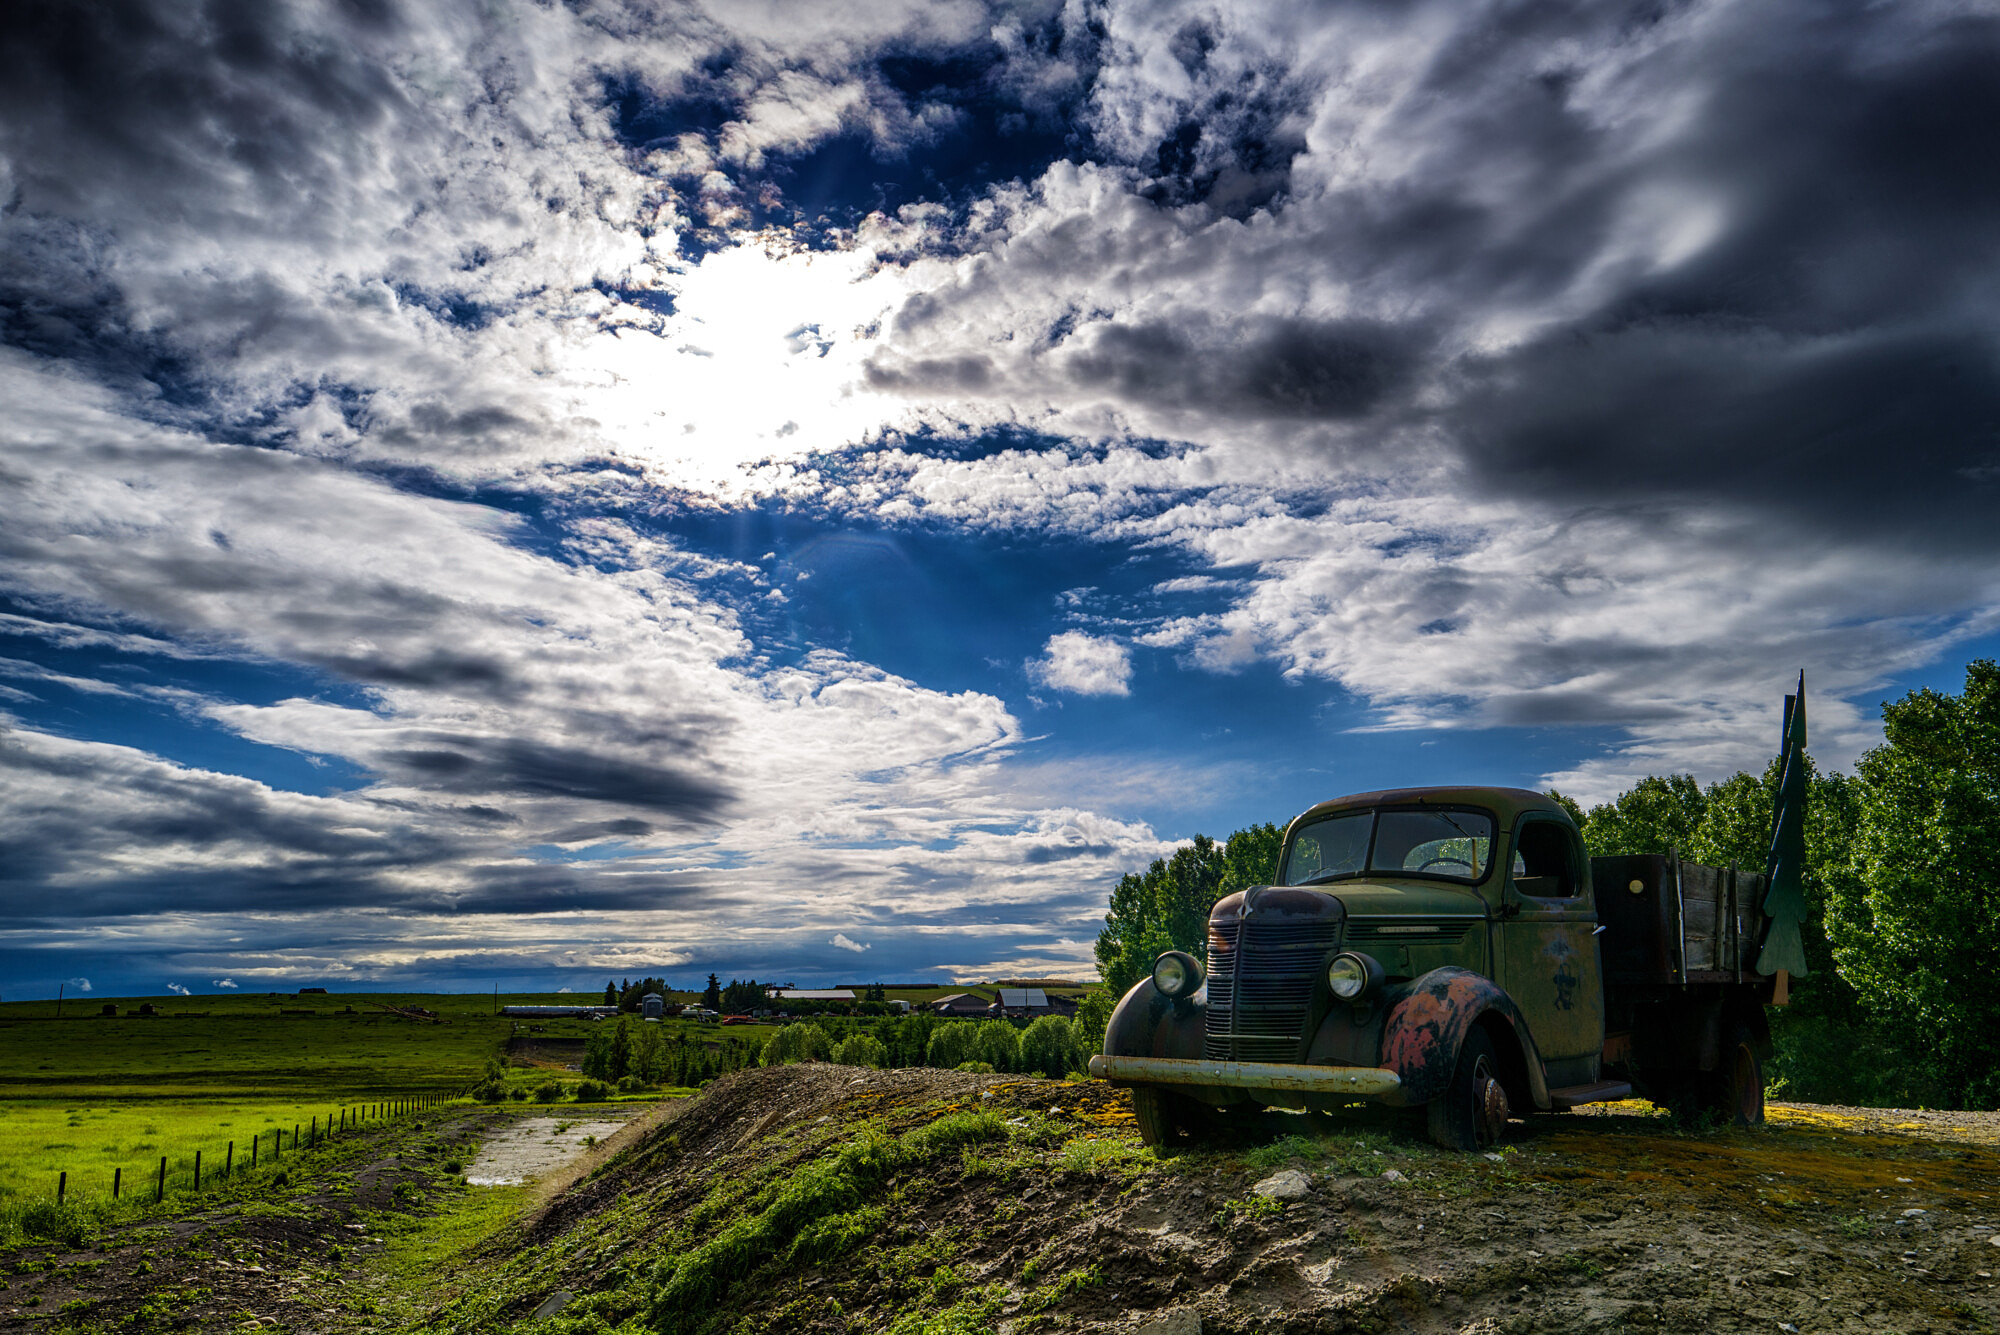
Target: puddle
{"x": 532, "y": 1147}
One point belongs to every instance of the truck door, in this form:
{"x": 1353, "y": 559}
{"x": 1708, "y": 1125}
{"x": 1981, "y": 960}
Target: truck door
{"x": 1548, "y": 954}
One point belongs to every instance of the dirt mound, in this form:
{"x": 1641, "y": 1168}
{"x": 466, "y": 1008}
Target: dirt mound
{"x": 1008, "y": 1205}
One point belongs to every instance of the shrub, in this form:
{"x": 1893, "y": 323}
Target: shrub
{"x": 592, "y": 1091}
{"x": 998, "y": 1044}
{"x": 861, "y": 1050}
{"x": 798, "y": 1043}
{"x": 950, "y": 1044}
{"x": 1051, "y": 1047}
{"x": 490, "y": 1091}
{"x": 518, "y": 1094}
{"x": 548, "y": 1091}
{"x": 975, "y": 1068}
{"x": 631, "y": 1084}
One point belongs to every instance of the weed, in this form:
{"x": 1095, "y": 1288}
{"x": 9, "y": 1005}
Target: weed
{"x": 972, "y": 1316}
{"x": 1045, "y": 1296}
{"x": 1256, "y": 1207}
{"x": 1092, "y": 1155}
{"x": 1856, "y": 1226}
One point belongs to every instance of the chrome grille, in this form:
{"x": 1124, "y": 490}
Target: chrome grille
{"x": 1261, "y": 975}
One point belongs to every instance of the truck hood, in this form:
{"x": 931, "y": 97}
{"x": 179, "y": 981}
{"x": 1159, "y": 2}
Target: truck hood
{"x": 1385, "y": 898}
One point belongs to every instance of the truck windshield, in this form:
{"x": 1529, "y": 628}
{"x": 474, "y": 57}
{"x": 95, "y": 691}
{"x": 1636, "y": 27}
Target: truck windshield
{"x": 1450, "y": 844}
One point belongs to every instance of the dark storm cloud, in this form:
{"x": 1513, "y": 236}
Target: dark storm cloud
{"x": 1269, "y": 370}
{"x": 540, "y": 769}
{"x": 1884, "y": 434}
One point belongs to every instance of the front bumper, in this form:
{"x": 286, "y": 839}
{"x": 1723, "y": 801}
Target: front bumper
{"x": 1289, "y": 1076}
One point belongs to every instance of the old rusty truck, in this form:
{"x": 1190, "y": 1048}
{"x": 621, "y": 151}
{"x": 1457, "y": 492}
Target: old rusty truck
{"x": 1454, "y": 952}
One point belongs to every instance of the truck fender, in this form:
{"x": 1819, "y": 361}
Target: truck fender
{"x": 1421, "y": 1038}
{"x": 1148, "y": 1023}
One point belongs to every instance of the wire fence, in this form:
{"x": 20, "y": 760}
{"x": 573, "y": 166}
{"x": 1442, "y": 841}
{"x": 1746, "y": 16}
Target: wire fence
{"x": 267, "y": 1150}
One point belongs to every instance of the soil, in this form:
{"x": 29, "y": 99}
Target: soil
{"x": 1614, "y": 1218}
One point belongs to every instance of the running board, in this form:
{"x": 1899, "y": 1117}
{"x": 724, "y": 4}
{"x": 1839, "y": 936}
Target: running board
{"x": 1604, "y": 1091}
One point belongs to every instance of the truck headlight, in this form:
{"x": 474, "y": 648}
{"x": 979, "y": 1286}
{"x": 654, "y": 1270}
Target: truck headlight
{"x": 1177, "y": 974}
{"x": 1352, "y": 976}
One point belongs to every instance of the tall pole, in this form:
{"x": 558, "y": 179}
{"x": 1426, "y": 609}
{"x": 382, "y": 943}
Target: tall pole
{"x": 59, "y": 997}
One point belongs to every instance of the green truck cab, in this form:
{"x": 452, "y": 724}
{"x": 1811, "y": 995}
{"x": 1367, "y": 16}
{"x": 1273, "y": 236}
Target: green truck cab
{"x": 1453, "y": 950}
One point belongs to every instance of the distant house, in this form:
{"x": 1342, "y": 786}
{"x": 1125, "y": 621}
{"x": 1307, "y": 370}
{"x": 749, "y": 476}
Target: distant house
{"x": 1015, "y": 1001}
{"x": 653, "y": 1006}
{"x": 813, "y": 993}
{"x": 960, "y": 1003}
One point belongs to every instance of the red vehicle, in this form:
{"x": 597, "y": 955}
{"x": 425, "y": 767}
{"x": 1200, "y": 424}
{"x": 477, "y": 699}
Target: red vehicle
{"x": 737, "y": 1019}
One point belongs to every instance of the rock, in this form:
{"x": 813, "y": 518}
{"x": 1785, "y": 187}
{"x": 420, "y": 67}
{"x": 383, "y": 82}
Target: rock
{"x": 1287, "y": 1184}
{"x": 1180, "y": 1321}
{"x": 1912, "y": 1214}
{"x": 1391, "y": 1175}
{"x": 554, "y": 1303}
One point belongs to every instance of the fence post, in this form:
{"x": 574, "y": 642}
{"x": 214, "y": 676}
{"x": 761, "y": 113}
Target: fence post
{"x": 229, "y": 1161}
{"x": 295, "y": 1135}
{"x": 62, "y": 1186}
{"x": 161, "y": 1193}
{"x": 315, "y": 1131}
{"x": 116, "y": 1175}
{"x": 197, "y": 1170}
{"x": 253, "y": 1148}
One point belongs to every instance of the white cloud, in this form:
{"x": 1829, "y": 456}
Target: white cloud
{"x": 846, "y": 942}
{"x": 223, "y": 982}
{"x": 1083, "y": 664}
{"x": 80, "y": 984}
{"x": 562, "y": 990}
{"x": 178, "y": 989}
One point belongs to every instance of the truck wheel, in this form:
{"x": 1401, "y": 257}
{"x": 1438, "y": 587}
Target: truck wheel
{"x": 1736, "y": 1091}
{"x": 1166, "y": 1122}
{"x": 1472, "y": 1113}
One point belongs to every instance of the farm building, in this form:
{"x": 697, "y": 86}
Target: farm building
{"x": 813, "y": 993}
{"x": 653, "y": 1006}
{"x": 1022, "y": 1001}
{"x": 961, "y": 1003}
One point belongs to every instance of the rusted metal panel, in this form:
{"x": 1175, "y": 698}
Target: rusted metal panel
{"x": 1421, "y": 1037}
{"x": 1286, "y": 1076}
{"x": 1149, "y": 1024}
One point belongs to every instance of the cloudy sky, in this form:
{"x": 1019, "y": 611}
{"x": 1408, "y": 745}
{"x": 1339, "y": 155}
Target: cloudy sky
{"x": 519, "y": 493}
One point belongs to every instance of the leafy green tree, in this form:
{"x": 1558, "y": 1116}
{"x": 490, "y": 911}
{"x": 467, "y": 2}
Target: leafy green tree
{"x": 1050, "y": 1047}
{"x": 997, "y": 1043}
{"x": 1916, "y": 928}
{"x": 607, "y": 1053}
{"x": 1251, "y": 858}
{"x": 950, "y": 1043}
{"x": 861, "y": 1050}
{"x": 742, "y": 996}
{"x": 1652, "y": 816}
{"x": 1093, "y": 1015}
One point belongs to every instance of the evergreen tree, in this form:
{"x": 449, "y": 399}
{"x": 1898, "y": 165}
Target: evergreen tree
{"x": 610, "y": 993}
{"x": 711, "y": 997}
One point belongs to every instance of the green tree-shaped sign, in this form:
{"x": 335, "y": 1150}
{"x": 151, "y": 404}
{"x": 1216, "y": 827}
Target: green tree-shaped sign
{"x": 1785, "y": 895}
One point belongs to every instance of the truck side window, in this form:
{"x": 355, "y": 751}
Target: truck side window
{"x": 1542, "y": 865}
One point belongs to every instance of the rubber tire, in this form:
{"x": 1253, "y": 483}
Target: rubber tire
{"x": 1473, "y": 1110}
{"x": 1167, "y": 1121}
{"x": 1735, "y": 1092}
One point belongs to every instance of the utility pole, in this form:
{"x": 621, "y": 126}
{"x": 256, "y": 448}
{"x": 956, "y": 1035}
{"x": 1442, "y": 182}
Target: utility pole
{"x": 59, "y": 997}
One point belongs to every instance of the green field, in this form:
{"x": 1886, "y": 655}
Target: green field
{"x": 88, "y": 1094}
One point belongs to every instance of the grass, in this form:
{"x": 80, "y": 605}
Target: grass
{"x": 88, "y": 1095}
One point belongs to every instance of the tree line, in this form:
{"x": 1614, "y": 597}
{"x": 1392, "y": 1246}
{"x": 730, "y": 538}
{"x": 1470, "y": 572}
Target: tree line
{"x": 1902, "y": 881}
